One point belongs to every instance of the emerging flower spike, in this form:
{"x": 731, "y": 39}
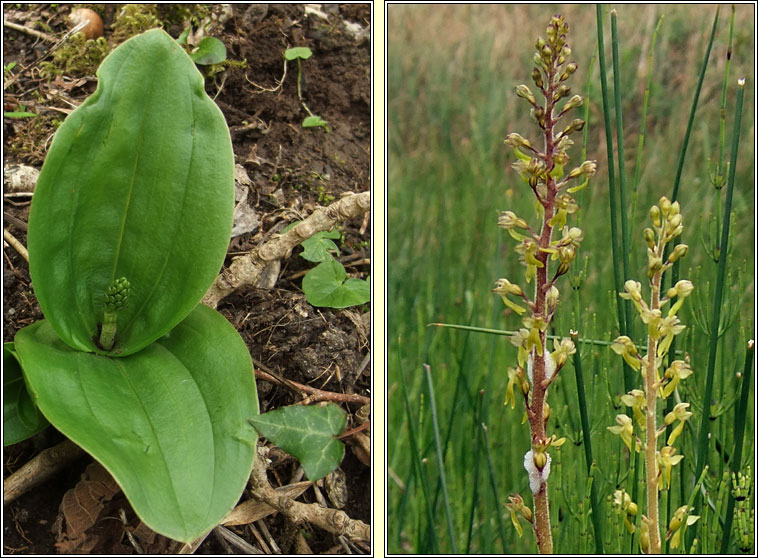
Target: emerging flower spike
{"x": 666, "y": 221}
{"x": 116, "y": 297}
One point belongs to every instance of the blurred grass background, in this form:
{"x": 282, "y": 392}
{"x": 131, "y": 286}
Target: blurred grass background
{"x": 451, "y": 73}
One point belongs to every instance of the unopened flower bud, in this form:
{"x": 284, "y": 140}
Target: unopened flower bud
{"x": 537, "y": 78}
{"x": 682, "y": 288}
{"x": 679, "y": 251}
{"x": 649, "y": 237}
{"x": 561, "y": 92}
{"x": 524, "y": 92}
{"x": 540, "y": 459}
{"x": 516, "y": 140}
{"x": 508, "y": 220}
{"x": 570, "y": 69}
{"x": 588, "y": 169}
{"x": 655, "y": 216}
{"x": 504, "y": 287}
{"x": 551, "y": 297}
{"x": 665, "y": 204}
{"x": 576, "y": 126}
{"x": 633, "y": 289}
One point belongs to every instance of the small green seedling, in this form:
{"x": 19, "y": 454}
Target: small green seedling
{"x": 303, "y": 53}
{"x": 129, "y": 225}
{"x": 327, "y": 284}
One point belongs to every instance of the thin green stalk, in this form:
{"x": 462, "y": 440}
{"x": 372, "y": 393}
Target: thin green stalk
{"x": 509, "y": 332}
{"x": 719, "y": 291}
{"x": 643, "y": 121}
{"x": 477, "y": 459}
{"x": 586, "y": 434}
{"x": 621, "y": 160}
{"x": 415, "y": 457}
{"x": 628, "y": 381}
{"x": 739, "y": 434}
{"x": 493, "y": 482}
{"x": 690, "y": 122}
{"x": 440, "y": 460}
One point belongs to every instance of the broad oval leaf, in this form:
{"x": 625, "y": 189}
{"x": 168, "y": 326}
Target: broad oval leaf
{"x": 21, "y": 417}
{"x": 138, "y": 183}
{"x": 308, "y": 433}
{"x": 169, "y": 423}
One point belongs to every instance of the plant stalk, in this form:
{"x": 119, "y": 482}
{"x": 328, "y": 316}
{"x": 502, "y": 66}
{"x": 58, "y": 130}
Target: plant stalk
{"x": 651, "y": 467}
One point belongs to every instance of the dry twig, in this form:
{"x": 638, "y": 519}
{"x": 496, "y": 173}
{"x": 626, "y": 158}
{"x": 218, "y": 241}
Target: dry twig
{"x": 334, "y": 521}
{"x": 40, "y": 468}
{"x": 13, "y": 241}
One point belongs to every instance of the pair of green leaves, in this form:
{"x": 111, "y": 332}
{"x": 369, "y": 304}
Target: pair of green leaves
{"x": 139, "y": 183}
{"x": 327, "y": 284}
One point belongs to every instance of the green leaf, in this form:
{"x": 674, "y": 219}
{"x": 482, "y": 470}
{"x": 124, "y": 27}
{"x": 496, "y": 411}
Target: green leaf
{"x": 298, "y": 52}
{"x": 313, "y": 121}
{"x": 317, "y": 248}
{"x": 21, "y": 417}
{"x": 209, "y": 51}
{"x": 138, "y": 183}
{"x": 325, "y": 285}
{"x": 18, "y": 114}
{"x": 169, "y": 422}
{"x": 308, "y": 433}
{"x": 182, "y": 38}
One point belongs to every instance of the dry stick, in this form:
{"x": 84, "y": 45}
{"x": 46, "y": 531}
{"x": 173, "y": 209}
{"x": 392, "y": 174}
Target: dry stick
{"x": 334, "y": 521}
{"x": 315, "y": 394}
{"x": 246, "y": 270}
{"x": 13, "y": 241}
{"x": 43, "y": 466}
{"x": 29, "y": 31}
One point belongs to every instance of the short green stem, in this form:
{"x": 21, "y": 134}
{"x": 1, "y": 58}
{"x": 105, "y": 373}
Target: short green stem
{"x": 108, "y": 331}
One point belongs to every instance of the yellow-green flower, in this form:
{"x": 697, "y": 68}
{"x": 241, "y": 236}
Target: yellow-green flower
{"x": 667, "y": 458}
{"x": 503, "y": 287}
{"x": 518, "y": 510}
{"x": 529, "y": 249}
{"x": 668, "y": 327}
{"x": 625, "y": 429}
{"x": 636, "y": 400}
{"x": 625, "y": 347}
{"x": 677, "y": 524}
{"x": 563, "y": 350}
{"x": 681, "y": 414}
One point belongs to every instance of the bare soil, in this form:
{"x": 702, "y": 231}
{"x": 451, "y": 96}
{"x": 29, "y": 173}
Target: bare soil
{"x": 292, "y": 169}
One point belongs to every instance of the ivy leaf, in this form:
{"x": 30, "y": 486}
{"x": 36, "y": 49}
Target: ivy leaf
{"x": 209, "y": 51}
{"x": 21, "y": 417}
{"x": 327, "y": 285}
{"x": 308, "y": 433}
{"x": 318, "y": 247}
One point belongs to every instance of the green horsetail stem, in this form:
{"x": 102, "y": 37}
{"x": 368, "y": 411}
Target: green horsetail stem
{"x": 116, "y": 297}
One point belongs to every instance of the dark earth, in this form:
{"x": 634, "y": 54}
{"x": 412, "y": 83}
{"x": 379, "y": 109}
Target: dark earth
{"x": 292, "y": 170}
